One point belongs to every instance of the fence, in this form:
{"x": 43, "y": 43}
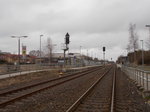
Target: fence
{"x": 7, "y": 69}
{"x": 140, "y": 76}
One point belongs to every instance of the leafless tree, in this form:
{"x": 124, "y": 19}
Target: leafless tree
{"x": 133, "y": 39}
{"x": 49, "y": 46}
{"x": 36, "y": 53}
{"x": 128, "y": 48}
{"x": 148, "y": 43}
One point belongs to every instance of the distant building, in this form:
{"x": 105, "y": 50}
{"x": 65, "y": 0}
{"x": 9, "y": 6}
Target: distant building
{"x": 8, "y": 57}
{"x": 13, "y": 58}
{"x": 122, "y": 60}
{"x": 57, "y": 58}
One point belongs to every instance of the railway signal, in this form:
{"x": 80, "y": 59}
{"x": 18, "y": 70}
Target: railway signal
{"x": 104, "y": 49}
{"x": 67, "y": 38}
{"x": 67, "y": 41}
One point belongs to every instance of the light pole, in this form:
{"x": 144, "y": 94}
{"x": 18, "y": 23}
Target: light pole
{"x": 40, "y": 48}
{"x": 19, "y": 46}
{"x": 80, "y": 50}
{"x": 149, "y": 28}
{"x": 81, "y": 55}
{"x": 149, "y": 35}
{"x": 87, "y": 53}
{"x": 142, "y": 53}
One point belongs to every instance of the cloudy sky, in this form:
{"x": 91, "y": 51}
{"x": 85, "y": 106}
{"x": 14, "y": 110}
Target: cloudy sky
{"x": 91, "y": 24}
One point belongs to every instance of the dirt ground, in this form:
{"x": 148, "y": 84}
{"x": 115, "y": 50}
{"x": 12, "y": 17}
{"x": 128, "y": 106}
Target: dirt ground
{"x": 28, "y": 77}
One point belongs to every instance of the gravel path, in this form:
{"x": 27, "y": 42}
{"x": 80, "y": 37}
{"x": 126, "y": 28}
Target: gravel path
{"x": 127, "y": 96}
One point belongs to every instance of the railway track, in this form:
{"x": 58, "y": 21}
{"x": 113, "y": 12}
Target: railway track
{"x": 11, "y": 96}
{"x": 127, "y": 98}
{"x": 99, "y": 97}
{"x": 112, "y": 92}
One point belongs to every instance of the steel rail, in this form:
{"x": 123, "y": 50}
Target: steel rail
{"x": 113, "y": 92}
{"x": 4, "y": 103}
{"x": 39, "y": 83}
{"x": 79, "y": 101}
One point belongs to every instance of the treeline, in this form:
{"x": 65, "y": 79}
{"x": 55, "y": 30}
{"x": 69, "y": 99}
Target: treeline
{"x": 136, "y": 57}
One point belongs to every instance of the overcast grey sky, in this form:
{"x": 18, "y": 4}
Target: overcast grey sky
{"x": 90, "y": 23}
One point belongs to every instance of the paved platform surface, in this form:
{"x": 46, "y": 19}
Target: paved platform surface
{"x": 26, "y": 72}
{"x": 21, "y": 73}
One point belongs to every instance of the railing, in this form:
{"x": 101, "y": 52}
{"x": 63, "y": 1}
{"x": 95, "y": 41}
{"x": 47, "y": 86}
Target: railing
{"x": 142, "y": 77}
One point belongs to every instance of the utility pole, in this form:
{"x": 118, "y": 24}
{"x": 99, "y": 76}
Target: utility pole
{"x": 80, "y": 50}
{"x": 92, "y": 54}
{"x": 88, "y": 57}
{"x": 40, "y": 49}
{"x": 149, "y": 35}
{"x": 87, "y": 53}
{"x": 142, "y": 53}
{"x": 81, "y": 55}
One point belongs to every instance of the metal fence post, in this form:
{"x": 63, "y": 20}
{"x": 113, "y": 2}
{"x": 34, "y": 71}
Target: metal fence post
{"x": 138, "y": 77}
{"x": 147, "y": 81}
{"x": 143, "y": 78}
{"x": 134, "y": 74}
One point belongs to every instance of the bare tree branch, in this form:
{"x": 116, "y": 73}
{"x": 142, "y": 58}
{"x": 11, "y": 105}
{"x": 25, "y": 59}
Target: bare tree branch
{"x": 148, "y": 43}
{"x": 36, "y": 53}
{"x": 133, "y": 40}
{"x": 49, "y": 47}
